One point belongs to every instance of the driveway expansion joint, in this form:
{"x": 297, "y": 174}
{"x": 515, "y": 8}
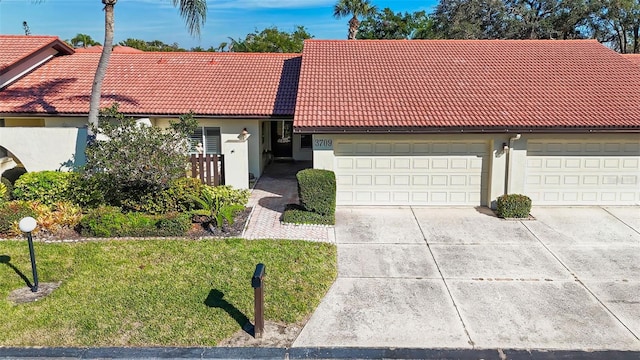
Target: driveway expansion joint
{"x": 446, "y": 285}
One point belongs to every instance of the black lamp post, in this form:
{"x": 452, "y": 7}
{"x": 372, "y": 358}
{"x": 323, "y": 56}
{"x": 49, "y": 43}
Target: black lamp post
{"x": 27, "y": 225}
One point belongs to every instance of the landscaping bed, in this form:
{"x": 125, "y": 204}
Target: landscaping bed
{"x": 158, "y": 292}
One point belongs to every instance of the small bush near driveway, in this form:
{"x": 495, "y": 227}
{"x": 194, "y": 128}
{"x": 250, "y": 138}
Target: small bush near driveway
{"x": 317, "y": 193}
{"x": 513, "y": 206}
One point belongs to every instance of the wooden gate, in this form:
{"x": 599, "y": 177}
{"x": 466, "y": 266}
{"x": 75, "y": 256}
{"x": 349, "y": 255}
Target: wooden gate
{"x": 208, "y": 168}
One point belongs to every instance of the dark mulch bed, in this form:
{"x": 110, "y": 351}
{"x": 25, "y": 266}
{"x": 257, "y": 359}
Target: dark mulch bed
{"x": 234, "y": 230}
{"x": 198, "y": 230}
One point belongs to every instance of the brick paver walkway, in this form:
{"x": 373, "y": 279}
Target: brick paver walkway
{"x": 268, "y": 199}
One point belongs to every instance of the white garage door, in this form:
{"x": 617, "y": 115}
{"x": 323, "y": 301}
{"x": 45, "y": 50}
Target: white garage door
{"x": 409, "y": 173}
{"x": 583, "y": 173}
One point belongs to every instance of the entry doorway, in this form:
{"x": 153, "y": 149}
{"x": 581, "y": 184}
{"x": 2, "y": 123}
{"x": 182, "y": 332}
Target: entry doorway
{"x": 282, "y": 139}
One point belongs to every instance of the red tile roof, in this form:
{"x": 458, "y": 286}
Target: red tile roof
{"x": 154, "y": 83}
{"x": 634, "y": 58}
{"x": 431, "y": 85}
{"x": 15, "y": 48}
{"x": 116, "y": 49}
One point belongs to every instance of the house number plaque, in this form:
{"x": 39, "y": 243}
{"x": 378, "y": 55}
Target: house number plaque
{"x": 321, "y": 143}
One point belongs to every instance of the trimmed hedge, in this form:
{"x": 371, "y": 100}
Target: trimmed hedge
{"x": 317, "y": 193}
{"x": 109, "y": 221}
{"x": 513, "y": 206}
{"x": 317, "y": 190}
{"x": 46, "y": 187}
{"x": 295, "y": 214}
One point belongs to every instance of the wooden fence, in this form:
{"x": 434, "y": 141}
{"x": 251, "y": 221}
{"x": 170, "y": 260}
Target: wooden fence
{"x": 208, "y": 168}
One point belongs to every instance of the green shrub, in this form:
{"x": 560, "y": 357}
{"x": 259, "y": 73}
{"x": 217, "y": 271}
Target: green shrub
{"x": 91, "y": 192}
{"x": 222, "y": 202}
{"x": 110, "y": 221}
{"x": 8, "y": 187}
{"x": 173, "y": 224}
{"x": 178, "y": 197}
{"x": 229, "y": 195}
{"x": 103, "y": 221}
{"x": 513, "y": 206}
{"x": 295, "y": 214}
{"x": 10, "y": 214}
{"x": 46, "y": 187}
{"x": 317, "y": 190}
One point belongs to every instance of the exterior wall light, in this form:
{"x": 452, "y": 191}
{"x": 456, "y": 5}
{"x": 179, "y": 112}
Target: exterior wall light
{"x": 244, "y": 134}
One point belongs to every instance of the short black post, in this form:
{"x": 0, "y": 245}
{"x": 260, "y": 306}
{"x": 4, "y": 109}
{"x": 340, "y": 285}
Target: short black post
{"x": 257, "y": 282}
{"x": 32, "y": 254}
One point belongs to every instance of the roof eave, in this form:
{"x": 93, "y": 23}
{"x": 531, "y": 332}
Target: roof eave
{"x": 462, "y": 130}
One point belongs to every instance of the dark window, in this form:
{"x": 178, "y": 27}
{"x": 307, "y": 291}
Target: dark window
{"x": 209, "y": 137}
{"x": 305, "y": 141}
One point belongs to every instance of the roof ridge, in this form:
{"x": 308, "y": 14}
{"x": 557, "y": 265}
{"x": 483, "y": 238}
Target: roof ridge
{"x": 29, "y": 36}
{"x": 451, "y": 40}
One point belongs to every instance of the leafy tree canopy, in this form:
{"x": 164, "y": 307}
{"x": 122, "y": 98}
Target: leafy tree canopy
{"x": 613, "y": 22}
{"x": 271, "y": 40}
{"x": 355, "y": 9}
{"x": 154, "y": 45}
{"x": 387, "y": 24}
{"x": 134, "y": 155}
{"x": 617, "y": 24}
{"x": 82, "y": 40}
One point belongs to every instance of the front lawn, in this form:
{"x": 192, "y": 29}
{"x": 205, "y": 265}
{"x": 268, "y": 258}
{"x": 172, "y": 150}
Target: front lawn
{"x": 157, "y": 292}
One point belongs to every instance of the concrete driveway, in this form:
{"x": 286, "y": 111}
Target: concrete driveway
{"x": 462, "y": 278}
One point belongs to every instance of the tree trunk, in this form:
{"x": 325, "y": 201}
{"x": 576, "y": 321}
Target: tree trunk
{"x": 101, "y": 71}
{"x": 353, "y": 28}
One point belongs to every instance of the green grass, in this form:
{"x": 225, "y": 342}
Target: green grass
{"x": 158, "y": 293}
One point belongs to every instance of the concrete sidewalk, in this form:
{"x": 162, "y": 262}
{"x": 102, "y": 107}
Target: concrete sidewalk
{"x": 304, "y": 353}
{"x": 462, "y": 278}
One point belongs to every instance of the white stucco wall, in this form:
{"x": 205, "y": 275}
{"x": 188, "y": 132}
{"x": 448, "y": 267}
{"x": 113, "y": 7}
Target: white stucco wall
{"x": 229, "y": 130}
{"x": 300, "y": 153}
{"x": 236, "y": 166}
{"x": 45, "y": 148}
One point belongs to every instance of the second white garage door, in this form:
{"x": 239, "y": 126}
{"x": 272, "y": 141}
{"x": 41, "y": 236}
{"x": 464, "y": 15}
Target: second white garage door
{"x": 572, "y": 172}
{"x": 410, "y": 172}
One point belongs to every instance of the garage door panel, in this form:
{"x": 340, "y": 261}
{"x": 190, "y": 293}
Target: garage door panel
{"x": 344, "y": 163}
{"x": 406, "y": 173}
{"x": 401, "y": 148}
{"x": 420, "y": 180}
{"x": 419, "y": 163}
{"x": 583, "y": 173}
{"x": 383, "y": 163}
{"x": 384, "y": 148}
{"x": 402, "y": 163}
{"x": 382, "y": 180}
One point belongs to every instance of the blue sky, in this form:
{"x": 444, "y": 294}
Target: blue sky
{"x": 159, "y": 20}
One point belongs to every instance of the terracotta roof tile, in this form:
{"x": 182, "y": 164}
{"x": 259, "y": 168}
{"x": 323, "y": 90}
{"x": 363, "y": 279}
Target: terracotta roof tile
{"x": 155, "y": 83}
{"x": 18, "y": 47}
{"x": 116, "y": 49}
{"x": 429, "y": 84}
{"x": 634, "y": 58}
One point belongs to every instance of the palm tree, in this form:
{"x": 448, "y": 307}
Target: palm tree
{"x": 83, "y": 40}
{"x": 194, "y": 12}
{"x": 355, "y": 8}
